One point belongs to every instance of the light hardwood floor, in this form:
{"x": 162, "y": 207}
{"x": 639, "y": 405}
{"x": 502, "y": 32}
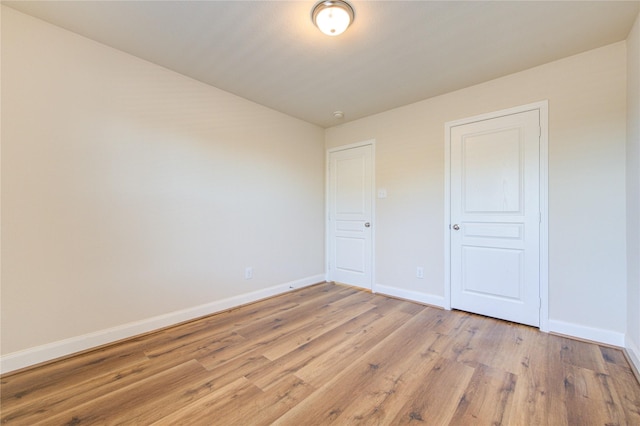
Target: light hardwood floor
{"x": 331, "y": 354}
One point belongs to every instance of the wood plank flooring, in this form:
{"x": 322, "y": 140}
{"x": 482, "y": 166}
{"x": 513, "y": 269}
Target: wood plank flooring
{"x": 330, "y": 354}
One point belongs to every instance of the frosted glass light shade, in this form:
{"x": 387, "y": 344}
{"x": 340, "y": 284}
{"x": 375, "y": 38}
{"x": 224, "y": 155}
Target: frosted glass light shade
{"x": 332, "y": 17}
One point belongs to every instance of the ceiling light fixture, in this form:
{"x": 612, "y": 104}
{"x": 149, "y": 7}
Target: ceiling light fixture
{"x": 332, "y": 17}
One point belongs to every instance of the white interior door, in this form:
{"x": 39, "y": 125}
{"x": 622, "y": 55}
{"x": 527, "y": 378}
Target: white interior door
{"x": 350, "y": 205}
{"x": 495, "y": 217}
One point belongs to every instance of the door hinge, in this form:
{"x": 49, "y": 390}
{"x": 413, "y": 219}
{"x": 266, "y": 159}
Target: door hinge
{"x": 539, "y": 217}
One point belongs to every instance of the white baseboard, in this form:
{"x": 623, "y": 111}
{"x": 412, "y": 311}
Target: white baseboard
{"x": 51, "y": 351}
{"x": 415, "y": 296}
{"x": 633, "y": 351}
{"x": 588, "y": 333}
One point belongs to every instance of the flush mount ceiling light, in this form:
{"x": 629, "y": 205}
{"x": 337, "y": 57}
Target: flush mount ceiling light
{"x": 332, "y": 17}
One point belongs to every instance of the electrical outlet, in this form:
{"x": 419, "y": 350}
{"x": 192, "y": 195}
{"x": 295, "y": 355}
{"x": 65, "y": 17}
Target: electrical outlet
{"x": 248, "y": 272}
{"x": 419, "y": 272}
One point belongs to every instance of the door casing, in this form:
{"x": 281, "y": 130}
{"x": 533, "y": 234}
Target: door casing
{"x": 543, "y": 108}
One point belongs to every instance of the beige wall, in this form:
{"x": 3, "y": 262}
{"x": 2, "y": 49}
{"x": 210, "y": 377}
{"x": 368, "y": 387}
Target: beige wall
{"x": 130, "y": 191}
{"x": 587, "y": 116}
{"x": 633, "y": 192}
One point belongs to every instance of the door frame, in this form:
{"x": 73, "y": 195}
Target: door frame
{"x": 327, "y": 245}
{"x": 543, "y": 108}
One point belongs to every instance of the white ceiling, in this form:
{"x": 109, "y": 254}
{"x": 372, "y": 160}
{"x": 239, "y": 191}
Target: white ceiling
{"x": 395, "y": 53}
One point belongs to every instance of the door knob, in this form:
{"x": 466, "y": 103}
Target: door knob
{"x": 367, "y": 224}
{"x": 456, "y": 227}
